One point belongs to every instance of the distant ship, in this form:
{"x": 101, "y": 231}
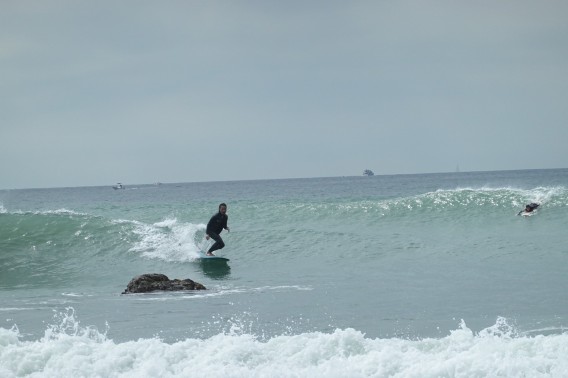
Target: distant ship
{"x": 368, "y": 172}
{"x": 118, "y": 186}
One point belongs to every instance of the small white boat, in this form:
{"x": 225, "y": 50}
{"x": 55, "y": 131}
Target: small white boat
{"x": 118, "y": 186}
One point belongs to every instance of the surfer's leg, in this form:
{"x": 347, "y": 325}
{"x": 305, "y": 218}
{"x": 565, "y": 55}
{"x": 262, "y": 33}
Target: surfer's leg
{"x": 218, "y": 243}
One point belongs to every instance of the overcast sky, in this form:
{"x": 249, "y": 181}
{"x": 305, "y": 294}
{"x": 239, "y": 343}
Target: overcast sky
{"x": 97, "y": 92}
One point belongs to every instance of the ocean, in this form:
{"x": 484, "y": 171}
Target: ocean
{"x": 427, "y": 275}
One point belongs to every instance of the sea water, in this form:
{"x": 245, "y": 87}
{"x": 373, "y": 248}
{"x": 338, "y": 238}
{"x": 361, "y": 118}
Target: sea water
{"x": 431, "y": 275}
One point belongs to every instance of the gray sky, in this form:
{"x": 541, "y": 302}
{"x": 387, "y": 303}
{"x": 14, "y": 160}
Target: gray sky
{"x": 96, "y": 92}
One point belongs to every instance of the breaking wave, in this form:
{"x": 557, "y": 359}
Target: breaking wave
{"x": 69, "y": 349}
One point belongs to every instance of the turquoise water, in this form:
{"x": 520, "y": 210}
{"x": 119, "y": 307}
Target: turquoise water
{"x": 405, "y": 275}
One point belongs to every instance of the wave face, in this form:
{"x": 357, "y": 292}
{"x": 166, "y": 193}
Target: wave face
{"x": 54, "y": 247}
{"x": 350, "y": 276}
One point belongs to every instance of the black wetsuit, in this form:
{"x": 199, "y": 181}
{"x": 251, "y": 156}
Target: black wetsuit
{"x": 532, "y": 206}
{"x": 216, "y": 224}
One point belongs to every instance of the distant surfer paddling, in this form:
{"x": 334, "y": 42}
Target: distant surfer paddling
{"x": 216, "y": 224}
{"x": 529, "y": 208}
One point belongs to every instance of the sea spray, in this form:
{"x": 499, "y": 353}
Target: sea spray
{"x": 69, "y": 349}
{"x": 168, "y": 240}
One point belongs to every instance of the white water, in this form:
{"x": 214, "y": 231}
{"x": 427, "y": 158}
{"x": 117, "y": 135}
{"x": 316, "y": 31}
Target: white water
{"x": 71, "y": 350}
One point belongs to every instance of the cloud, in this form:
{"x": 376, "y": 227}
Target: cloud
{"x": 198, "y": 91}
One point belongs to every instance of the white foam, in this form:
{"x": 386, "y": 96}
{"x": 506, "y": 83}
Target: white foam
{"x": 76, "y": 295}
{"x": 216, "y": 292}
{"x": 465, "y": 196}
{"x": 61, "y": 211}
{"x": 16, "y": 309}
{"x": 69, "y": 350}
{"x": 168, "y": 240}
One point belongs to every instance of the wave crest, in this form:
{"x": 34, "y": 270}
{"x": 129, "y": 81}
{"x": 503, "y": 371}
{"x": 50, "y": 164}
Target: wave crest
{"x": 69, "y": 349}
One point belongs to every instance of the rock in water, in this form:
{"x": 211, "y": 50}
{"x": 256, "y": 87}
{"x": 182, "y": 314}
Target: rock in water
{"x": 155, "y": 281}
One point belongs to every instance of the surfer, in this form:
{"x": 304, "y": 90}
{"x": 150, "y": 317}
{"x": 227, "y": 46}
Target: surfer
{"x": 216, "y": 224}
{"x": 529, "y": 208}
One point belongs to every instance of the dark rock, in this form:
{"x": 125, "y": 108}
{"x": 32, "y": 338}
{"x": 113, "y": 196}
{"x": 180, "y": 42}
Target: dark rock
{"x": 155, "y": 281}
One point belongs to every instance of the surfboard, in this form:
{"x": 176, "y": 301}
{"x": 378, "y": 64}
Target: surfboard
{"x": 204, "y": 257}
